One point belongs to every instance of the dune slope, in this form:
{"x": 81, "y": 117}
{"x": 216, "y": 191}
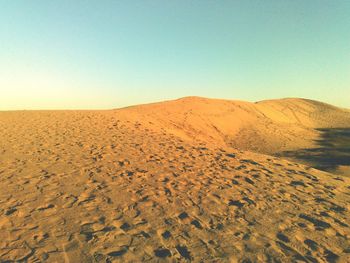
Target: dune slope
{"x": 268, "y": 126}
{"x": 297, "y": 129}
{"x": 130, "y": 185}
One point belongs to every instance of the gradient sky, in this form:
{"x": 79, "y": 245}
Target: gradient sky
{"x": 107, "y": 54}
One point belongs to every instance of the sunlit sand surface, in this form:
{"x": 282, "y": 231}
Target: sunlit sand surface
{"x": 186, "y": 180}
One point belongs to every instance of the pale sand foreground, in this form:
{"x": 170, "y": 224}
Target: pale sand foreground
{"x": 104, "y": 186}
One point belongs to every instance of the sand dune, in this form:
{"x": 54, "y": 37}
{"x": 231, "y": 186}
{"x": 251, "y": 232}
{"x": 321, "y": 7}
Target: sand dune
{"x": 166, "y": 182}
{"x": 270, "y": 126}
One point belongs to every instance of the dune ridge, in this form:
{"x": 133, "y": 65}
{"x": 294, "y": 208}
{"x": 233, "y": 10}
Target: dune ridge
{"x": 268, "y": 126}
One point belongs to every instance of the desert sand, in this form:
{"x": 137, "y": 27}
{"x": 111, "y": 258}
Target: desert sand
{"x": 193, "y": 179}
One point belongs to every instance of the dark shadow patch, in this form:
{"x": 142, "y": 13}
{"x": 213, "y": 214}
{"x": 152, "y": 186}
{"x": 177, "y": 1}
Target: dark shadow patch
{"x": 330, "y": 256}
{"x": 145, "y": 235}
{"x": 316, "y": 222}
{"x": 125, "y": 227}
{"x": 235, "y": 182}
{"x": 311, "y": 259}
{"x": 337, "y": 208}
{"x": 249, "y": 180}
{"x": 283, "y": 237}
{"x": 302, "y": 225}
{"x": 333, "y": 150}
{"x": 108, "y": 229}
{"x": 166, "y": 234}
{"x": 249, "y": 161}
{"x": 46, "y": 207}
{"x": 10, "y": 211}
{"x": 311, "y": 244}
{"x": 220, "y": 226}
{"x": 249, "y": 201}
{"x": 184, "y": 252}
{"x": 297, "y": 183}
{"x": 230, "y": 155}
{"x": 236, "y": 203}
{"x": 183, "y": 215}
{"x": 291, "y": 252}
{"x": 117, "y": 253}
{"x": 162, "y": 253}
{"x": 196, "y": 224}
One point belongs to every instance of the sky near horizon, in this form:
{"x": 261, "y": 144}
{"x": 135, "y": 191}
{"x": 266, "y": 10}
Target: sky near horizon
{"x": 109, "y": 54}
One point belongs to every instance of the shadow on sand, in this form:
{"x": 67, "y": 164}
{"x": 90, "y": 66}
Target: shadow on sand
{"x": 333, "y": 150}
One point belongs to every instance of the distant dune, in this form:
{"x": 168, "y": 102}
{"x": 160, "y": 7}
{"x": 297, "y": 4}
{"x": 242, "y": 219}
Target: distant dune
{"x": 269, "y": 126}
{"x": 192, "y": 179}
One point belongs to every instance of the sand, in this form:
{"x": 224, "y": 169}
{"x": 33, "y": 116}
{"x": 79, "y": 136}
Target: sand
{"x": 155, "y": 183}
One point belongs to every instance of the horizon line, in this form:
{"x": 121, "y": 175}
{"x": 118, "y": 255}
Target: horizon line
{"x": 159, "y": 101}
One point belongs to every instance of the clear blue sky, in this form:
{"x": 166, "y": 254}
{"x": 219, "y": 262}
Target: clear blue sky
{"x": 107, "y": 54}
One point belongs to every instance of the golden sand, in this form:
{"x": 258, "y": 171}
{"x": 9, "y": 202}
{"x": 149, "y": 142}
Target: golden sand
{"x": 166, "y": 182}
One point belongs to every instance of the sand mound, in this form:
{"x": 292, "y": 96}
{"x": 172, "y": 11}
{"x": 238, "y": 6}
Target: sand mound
{"x": 269, "y": 127}
{"x": 146, "y": 184}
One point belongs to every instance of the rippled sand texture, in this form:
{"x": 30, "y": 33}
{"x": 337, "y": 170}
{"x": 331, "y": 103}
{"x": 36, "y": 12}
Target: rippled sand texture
{"x": 105, "y": 186}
